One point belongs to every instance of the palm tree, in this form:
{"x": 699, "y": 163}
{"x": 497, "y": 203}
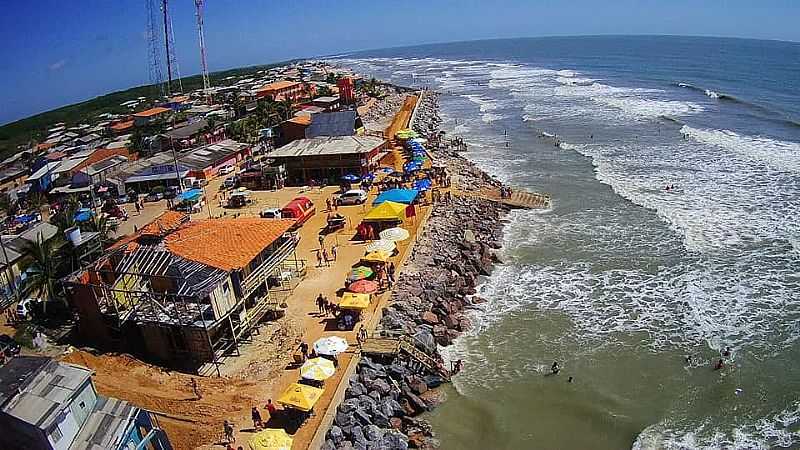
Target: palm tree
{"x": 286, "y": 109}
{"x": 65, "y": 218}
{"x": 42, "y": 270}
{"x": 104, "y": 226}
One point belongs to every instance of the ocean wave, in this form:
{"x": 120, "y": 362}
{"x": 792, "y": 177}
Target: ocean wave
{"x": 650, "y": 109}
{"x": 778, "y": 155}
{"x": 528, "y": 118}
{"x": 491, "y": 117}
{"x": 575, "y": 81}
{"x": 766, "y": 433}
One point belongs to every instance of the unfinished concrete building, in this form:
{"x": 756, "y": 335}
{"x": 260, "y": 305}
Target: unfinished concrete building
{"x": 187, "y": 293}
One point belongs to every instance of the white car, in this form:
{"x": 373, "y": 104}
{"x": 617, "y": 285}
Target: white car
{"x": 225, "y": 170}
{"x": 270, "y": 213}
{"x": 352, "y": 197}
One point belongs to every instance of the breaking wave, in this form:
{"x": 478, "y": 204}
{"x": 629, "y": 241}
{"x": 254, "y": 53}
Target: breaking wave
{"x": 778, "y": 155}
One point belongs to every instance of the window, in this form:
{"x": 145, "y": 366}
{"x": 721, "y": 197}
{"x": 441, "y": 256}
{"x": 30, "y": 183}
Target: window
{"x": 82, "y": 405}
{"x": 225, "y": 288}
{"x": 55, "y": 433}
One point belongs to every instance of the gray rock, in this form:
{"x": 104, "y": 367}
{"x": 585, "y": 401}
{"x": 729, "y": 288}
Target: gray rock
{"x": 362, "y": 417}
{"x": 424, "y": 340}
{"x": 328, "y": 445}
{"x": 358, "y": 436}
{"x": 343, "y": 419}
{"x": 379, "y": 385}
{"x": 336, "y": 435}
{"x": 373, "y": 433}
{"x": 394, "y": 440}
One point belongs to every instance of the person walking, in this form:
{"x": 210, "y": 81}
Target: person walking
{"x": 321, "y": 240}
{"x": 327, "y": 204}
{"x": 256, "y": 415}
{"x": 227, "y": 427}
{"x": 325, "y": 257}
{"x": 271, "y": 409}
{"x": 333, "y": 252}
{"x": 320, "y": 303}
{"x": 390, "y": 271}
{"x": 319, "y": 258}
{"x": 138, "y": 208}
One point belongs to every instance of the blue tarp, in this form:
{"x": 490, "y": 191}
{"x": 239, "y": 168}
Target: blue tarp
{"x": 350, "y": 178}
{"x": 422, "y": 185}
{"x": 396, "y": 195}
{"x": 191, "y": 195}
{"x": 83, "y": 215}
{"x": 412, "y": 166}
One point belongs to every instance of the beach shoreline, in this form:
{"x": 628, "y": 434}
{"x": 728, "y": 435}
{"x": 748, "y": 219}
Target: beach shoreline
{"x": 430, "y": 303}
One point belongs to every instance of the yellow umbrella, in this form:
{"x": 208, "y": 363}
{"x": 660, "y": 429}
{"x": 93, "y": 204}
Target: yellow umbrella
{"x": 271, "y": 439}
{"x": 352, "y": 300}
{"x": 300, "y": 396}
{"x": 378, "y": 256}
{"x": 317, "y": 369}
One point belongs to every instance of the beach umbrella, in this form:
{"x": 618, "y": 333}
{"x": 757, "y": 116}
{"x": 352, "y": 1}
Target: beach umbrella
{"x": 330, "y": 345}
{"x": 271, "y": 439}
{"x": 394, "y": 234}
{"x": 363, "y": 287}
{"x": 419, "y": 141}
{"x": 352, "y": 300}
{"x": 379, "y": 256}
{"x": 350, "y": 178}
{"x": 317, "y": 369}
{"x": 359, "y": 273}
{"x": 423, "y": 184}
{"x": 381, "y": 245}
{"x": 299, "y": 396}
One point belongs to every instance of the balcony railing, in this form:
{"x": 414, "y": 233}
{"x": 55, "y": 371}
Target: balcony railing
{"x": 265, "y": 269}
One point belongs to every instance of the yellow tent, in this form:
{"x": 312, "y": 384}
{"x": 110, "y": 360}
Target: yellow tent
{"x": 300, "y": 396}
{"x": 379, "y": 256}
{"x": 271, "y": 439}
{"x": 386, "y": 211}
{"x": 352, "y": 300}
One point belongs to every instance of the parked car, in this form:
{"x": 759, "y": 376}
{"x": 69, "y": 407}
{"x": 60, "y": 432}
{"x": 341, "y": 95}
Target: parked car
{"x": 270, "y": 213}
{"x": 8, "y": 346}
{"x": 229, "y": 183}
{"x": 197, "y": 184}
{"x": 154, "y": 197}
{"x": 122, "y": 199}
{"x": 352, "y": 197}
{"x": 225, "y": 170}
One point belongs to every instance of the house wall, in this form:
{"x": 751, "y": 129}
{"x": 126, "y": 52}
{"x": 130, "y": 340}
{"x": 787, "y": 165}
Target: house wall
{"x": 223, "y": 298}
{"x": 84, "y": 402}
{"x": 68, "y": 427}
{"x": 92, "y": 326}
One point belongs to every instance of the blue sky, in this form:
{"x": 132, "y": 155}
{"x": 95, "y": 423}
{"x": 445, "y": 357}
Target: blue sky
{"x": 57, "y": 52}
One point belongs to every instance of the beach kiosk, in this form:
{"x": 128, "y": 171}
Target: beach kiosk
{"x": 351, "y": 306}
{"x": 299, "y": 400}
{"x": 387, "y": 214}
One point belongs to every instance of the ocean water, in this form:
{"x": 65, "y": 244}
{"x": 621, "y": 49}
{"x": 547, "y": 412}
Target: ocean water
{"x": 622, "y": 280}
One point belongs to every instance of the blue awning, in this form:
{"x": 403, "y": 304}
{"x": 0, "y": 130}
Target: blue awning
{"x": 192, "y": 195}
{"x": 350, "y": 178}
{"x": 396, "y": 195}
{"x": 422, "y": 185}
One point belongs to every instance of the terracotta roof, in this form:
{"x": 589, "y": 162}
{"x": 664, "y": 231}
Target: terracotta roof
{"x": 226, "y": 244}
{"x": 278, "y": 85}
{"x": 164, "y": 224}
{"x": 167, "y": 222}
{"x": 152, "y": 112}
{"x": 122, "y": 125}
{"x": 301, "y": 120}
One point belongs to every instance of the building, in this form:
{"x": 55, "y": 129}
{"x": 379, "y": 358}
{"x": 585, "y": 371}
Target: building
{"x": 292, "y": 129}
{"x": 329, "y": 158}
{"x": 339, "y": 123}
{"x": 346, "y": 90}
{"x": 329, "y": 103}
{"x": 149, "y": 116}
{"x": 185, "y": 293}
{"x": 50, "y": 405}
{"x": 201, "y": 162}
{"x": 281, "y": 90}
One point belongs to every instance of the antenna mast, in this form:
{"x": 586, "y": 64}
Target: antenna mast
{"x": 201, "y": 36}
{"x": 154, "y": 48}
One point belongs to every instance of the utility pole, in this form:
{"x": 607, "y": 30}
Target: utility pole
{"x": 166, "y": 44}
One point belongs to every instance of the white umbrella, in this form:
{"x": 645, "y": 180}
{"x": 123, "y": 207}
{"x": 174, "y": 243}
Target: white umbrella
{"x": 317, "y": 369}
{"x": 331, "y": 345}
{"x": 395, "y": 234}
{"x": 381, "y": 245}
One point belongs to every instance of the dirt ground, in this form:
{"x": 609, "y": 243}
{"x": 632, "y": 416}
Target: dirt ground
{"x": 263, "y": 369}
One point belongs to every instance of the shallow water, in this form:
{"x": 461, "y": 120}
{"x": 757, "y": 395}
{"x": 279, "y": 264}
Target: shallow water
{"x": 623, "y": 279}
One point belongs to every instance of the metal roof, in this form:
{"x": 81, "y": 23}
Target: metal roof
{"x": 106, "y": 426}
{"x": 42, "y": 388}
{"x": 340, "y": 123}
{"x": 322, "y": 146}
{"x": 191, "y": 278}
{"x": 188, "y": 130}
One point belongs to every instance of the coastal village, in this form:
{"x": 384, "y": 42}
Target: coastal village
{"x": 270, "y": 263}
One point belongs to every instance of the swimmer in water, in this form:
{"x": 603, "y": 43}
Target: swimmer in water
{"x": 554, "y": 368}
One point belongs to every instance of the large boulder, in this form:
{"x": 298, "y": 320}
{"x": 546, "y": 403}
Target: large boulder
{"x": 394, "y": 440}
{"x": 336, "y": 435}
{"x": 343, "y": 419}
{"x": 358, "y": 436}
{"x": 373, "y": 433}
{"x": 429, "y": 318}
{"x": 424, "y": 340}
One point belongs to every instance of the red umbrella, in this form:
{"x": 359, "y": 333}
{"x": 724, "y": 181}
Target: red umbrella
{"x": 363, "y": 287}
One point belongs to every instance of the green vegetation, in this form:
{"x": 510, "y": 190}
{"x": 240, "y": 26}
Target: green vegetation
{"x": 30, "y": 129}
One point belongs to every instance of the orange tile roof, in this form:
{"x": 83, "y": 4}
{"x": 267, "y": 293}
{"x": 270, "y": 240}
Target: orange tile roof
{"x": 122, "y": 125}
{"x": 278, "y": 85}
{"x": 226, "y": 244}
{"x": 152, "y": 112}
{"x": 301, "y": 120}
{"x": 167, "y": 222}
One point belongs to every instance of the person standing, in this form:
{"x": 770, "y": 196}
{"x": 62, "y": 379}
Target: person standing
{"x": 391, "y": 273}
{"x": 333, "y": 252}
{"x": 228, "y": 429}
{"x": 325, "y": 257}
{"x": 271, "y": 409}
{"x": 321, "y": 239}
{"x": 320, "y": 303}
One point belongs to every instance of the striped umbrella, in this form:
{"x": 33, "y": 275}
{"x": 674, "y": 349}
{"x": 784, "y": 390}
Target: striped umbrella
{"x": 317, "y": 369}
{"x": 359, "y": 273}
{"x": 394, "y": 234}
{"x": 381, "y": 245}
